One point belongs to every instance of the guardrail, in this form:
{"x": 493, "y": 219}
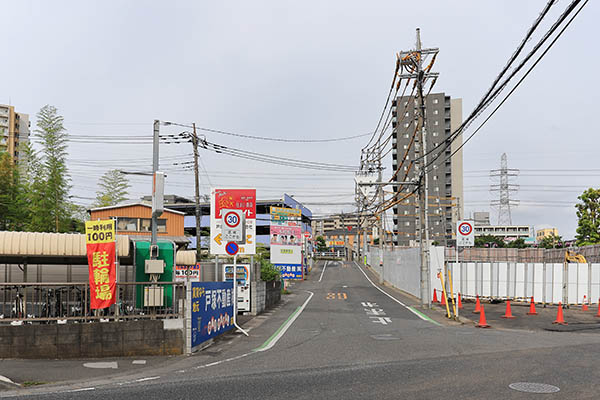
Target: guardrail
{"x": 63, "y": 302}
{"x": 330, "y": 255}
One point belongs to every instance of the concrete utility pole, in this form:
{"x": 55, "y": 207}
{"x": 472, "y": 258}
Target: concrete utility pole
{"x": 381, "y": 216}
{"x": 155, "y": 143}
{"x": 197, "y": 197}
{"x": 415, "y": 59}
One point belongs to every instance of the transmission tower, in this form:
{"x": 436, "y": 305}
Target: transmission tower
{"x": 504, "y": 188}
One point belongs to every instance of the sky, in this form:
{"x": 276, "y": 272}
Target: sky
{"x": 300, "y": 70}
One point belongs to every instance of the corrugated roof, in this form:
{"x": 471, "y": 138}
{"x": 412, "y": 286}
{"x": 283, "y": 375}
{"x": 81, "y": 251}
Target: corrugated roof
{"x": 138, "y": 203}
{"x": 51, "y": 244}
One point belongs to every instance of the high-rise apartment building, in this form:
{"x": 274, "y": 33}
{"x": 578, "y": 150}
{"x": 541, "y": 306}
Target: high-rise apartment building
{"x": 443, "y": 116}
{"x": 14, "y": 128}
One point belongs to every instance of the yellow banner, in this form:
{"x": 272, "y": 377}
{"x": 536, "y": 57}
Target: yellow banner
{"x": 100, "y": 231}
{"x": 288, "y": 212}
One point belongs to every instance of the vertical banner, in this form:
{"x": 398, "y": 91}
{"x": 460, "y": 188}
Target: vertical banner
{"x": 100, "y": 245}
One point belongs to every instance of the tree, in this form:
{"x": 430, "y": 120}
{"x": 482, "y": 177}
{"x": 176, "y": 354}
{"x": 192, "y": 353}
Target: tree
{"x": 321, "y": 245}
{"x": 50, "y": 206}
{"x": 517, "y": 244}
{"x": 551, "y": 241}
{"x": 113, "y": 189}
{"x": 489, "y": 241}
{"x": 588, "y": 213}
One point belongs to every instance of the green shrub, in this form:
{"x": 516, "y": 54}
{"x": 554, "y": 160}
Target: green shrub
{"x": 268, "y": 272}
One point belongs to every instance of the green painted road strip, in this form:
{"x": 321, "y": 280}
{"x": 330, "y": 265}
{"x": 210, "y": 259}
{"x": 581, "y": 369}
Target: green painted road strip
{"x": 423, "y": 316}
{"x": 284, "y": 327}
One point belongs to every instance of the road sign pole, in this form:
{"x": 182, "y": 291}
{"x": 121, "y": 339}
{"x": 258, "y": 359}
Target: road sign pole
{"x": 235, "y": 296}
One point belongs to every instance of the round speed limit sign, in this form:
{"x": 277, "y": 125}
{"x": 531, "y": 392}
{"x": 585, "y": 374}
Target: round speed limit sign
{"x": 232, "y": 220}
{"x": 465, "y": 228}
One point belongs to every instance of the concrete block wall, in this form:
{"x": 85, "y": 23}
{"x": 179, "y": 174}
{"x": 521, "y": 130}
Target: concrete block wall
{"x": 257, "y": 297}
{"x": 93, "y": 340}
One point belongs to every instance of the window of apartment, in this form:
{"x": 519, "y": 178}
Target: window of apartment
{"x": 407, "y": 223}
{"x": 435, "y": 134}
{"x": 405, "y": 146}
{"x": 405, "y": 103}
{"x": 436, "y": 123}
{"x": 405, "y": 136}
{"x": 406, "y": 114}
{"x": 437, "y": 223}
{"x": 406, "y": 124}
{"x": 437, "y": 189}
{"x": 435, "y": 101}
{"x": 435, "y": 112}
{"x": 435, "y": 178}
{"x": 140, "y": 225}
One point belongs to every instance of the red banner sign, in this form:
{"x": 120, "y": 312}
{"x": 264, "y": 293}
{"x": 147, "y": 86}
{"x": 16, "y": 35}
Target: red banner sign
{"x": 100, "y": 238}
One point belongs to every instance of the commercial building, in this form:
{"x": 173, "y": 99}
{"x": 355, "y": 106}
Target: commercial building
{"x": 14, "y": 128}
{"x": 323, "y": 225}
{"x": 443, "y": 116}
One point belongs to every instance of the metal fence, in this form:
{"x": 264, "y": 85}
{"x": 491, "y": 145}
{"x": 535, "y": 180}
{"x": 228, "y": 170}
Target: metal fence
{"x": 70, "y": 302}
{"x": 546, "y": 282}
{"x": 528, "y": 255}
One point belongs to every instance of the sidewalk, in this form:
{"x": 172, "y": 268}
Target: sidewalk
{"x": 578, "y": 320}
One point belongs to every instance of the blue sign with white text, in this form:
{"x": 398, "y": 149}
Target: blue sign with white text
{"x": 212, "y": 310}
{"x": 290, "y": 271}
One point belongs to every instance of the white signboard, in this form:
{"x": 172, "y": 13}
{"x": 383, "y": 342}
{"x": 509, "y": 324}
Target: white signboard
{"x": 241, "y": 200}
{"x": 465, "y": 234}
{"x": 366, "y": 183}
{"x": 187, "y": 272}
{"x": 233, "y": 225}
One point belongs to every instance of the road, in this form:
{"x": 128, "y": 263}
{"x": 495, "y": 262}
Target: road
{"x": 339, "y": 336}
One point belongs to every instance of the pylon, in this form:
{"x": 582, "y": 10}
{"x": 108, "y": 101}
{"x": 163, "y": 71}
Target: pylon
{"x": 508, "y": 312}
{"x": 477, "y": 306}
{"x": 598, "y": 314}
{"x": 559, "y": 316}
{"x": 584, "y": 307}
{"x": 435, "y": 299}
{"x": 460, "y": 303}
{"x": 443, "y": 302}
{"x": 532, "y": 308}
{"x": 482, "y": 322}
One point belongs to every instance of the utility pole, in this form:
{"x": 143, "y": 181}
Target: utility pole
{"x": 414, "y": 58}
{"x": 381, "y": 214}
{"x": 155, "y": 142}
{"x": 197, "y": 197}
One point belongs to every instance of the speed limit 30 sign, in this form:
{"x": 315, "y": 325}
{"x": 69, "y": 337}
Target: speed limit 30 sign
{"x": 465, "y": 234}
{"x": 233, "y": 225}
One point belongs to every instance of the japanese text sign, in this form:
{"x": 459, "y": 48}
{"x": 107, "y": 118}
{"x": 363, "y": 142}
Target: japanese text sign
{"x": 212, "y": 310}
{"x": 100, "y": 247}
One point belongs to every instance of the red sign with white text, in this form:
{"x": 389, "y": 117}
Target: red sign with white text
{"x": 238, "y": 199}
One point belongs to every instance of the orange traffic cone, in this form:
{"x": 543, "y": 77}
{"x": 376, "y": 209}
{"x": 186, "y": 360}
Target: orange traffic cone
{"x": 460, "y": 303}
{"x": 482, "y": 322}
{"x": 477, "y": 306}
{"x": 584, "y": 307}
{"x": 559, "y": 316}
{"x": 532, "y": 308}
{"x": 508, "y": 312}
{"x": 435, "y": 299}
{"x": 443, "y": 302}
{"x": 598, "y": 314}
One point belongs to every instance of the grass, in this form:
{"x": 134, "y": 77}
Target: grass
{"x": 32, "y": 383}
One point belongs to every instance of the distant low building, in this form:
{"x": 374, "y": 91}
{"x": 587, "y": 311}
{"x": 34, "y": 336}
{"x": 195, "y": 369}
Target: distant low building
{"x": 540, "y": 234}
{"x": 506, "y": 232}
{"x": 481, "y": 218}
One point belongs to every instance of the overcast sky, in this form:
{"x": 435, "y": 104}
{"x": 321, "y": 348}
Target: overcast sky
{"x": 310, "y": 69}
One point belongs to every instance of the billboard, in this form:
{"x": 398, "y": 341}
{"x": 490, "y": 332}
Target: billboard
{"x": 286, "y": 236}
{"x": 290, "y": 271}
{"x": 212, "y": 310}
{"x": 232, "y": 199}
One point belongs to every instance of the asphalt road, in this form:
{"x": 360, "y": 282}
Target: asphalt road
{"x": 349, "y": 340}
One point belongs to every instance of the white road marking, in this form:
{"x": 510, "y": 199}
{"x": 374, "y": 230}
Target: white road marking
{"x": 322, "y": 272}
{"x": 5, "y": 379}
{"x": 139, "y": 362}
{"x": 80, "y": 390}
{"x": 102, "y": 365}
{"x": 389, "y": 295}
{"x": 147, "y": 379}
